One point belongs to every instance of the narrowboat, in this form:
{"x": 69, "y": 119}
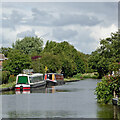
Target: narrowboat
{"x": 54, "y": 79}
{"x": 27, "y": 81}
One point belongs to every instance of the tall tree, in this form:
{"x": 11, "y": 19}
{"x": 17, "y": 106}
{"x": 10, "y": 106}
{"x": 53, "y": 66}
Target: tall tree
{"x": 5, "y": 50}
{"x": 29, "y": 45}
{"x": 72, "y": 61}
{"x": 51, "y": 61}
{"x": 17, "y": 61}
{"x": 106, "y": 54}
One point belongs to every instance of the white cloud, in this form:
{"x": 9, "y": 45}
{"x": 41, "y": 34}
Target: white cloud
{"x": 8, "y": 37}
{"x": 23, "y": 28}
{"x": 100, "y": 32}
{"x": 87, "y": 37}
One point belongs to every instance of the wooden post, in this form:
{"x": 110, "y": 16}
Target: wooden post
{"x": 114, "y": 94}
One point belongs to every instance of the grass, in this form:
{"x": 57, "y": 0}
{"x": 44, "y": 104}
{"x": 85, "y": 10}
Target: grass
{"x": 86, "y": 75}
{"x": 80, "y": 76}
{"x": 12, "y": 84}
{"x": 71, "y": 79}
{"x": 90, "y": 75}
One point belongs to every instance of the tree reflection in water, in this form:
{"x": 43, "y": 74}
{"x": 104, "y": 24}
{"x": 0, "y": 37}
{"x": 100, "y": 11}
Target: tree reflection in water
{"x": 108, "y": 111}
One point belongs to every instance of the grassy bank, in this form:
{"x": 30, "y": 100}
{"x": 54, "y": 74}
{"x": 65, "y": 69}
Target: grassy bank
{"x": 12, "y": 84}
{"x": 80, "y": 76}
{"x": 71, "y": 79}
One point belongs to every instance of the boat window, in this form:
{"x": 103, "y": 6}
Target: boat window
{"x": 22, "y": 80}
{"x": 36, "y": 79}
{"x": 49, "y": 76}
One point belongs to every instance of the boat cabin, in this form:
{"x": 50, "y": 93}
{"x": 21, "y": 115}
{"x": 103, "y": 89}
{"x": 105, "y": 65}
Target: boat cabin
{"x": 26, "y": 81}
{"x": 54, "y": 78}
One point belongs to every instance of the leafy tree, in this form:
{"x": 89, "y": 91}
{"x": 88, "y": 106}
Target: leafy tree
{"x": 72, "y": 60}
{"x": 37, "y": 66}
{"x": 5, "y": 50}
{"x": 106, "y": 54}
{"x": 17, "y": 61}
{"x": 51, "y": 61}
{"x": 69, "y": 67}
{"x": 28, "y": 45}
{"x": 114, "y": 67}
{"x": 106, "y": 88}
{"x": 5, "y": 77}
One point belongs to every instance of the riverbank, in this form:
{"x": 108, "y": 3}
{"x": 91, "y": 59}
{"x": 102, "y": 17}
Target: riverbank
{"x": 75, "y": 78}
{"x": 80, "y": 76}
{"x": 8, "y": 86}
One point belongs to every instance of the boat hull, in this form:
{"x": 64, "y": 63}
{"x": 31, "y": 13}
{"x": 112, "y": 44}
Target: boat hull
{"x": 51, "y": 83}
{"x": 41, "y": 84}
{"x": 26, "y": 87}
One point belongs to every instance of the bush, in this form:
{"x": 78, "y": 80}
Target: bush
{"x": 12, "y": 78}
{"x": 5, "y": 76}
{"x": 106, "y": 88}
{"x": 79, "y": 75}
{"x": 86, "y": 75}
{"x": 118, "y": 102}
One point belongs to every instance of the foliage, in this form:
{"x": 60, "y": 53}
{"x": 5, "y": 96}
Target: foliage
{"x": 69, "y": 67}
{"x": 107, "y": 54}
{"x": 29, "y": 45}
{"x": 17, "y": 62}
{"x": 118, "y": 103}
{"x": 114, "y": 67}
{"x": 106, "y": 88}
{"x": 86, "y": 75}
{"x": 12, "y": 78}
{"x": 5, "y": 50}
{"x": 48, "y": 60}
{"x": 77, "y": 76}
{"x": 71, "y": 60}
{"x": 37, "y": 66}
{"x": 51, "y": 61}
{"x": 11, "y": 84}
{"x": 5, "y": 76}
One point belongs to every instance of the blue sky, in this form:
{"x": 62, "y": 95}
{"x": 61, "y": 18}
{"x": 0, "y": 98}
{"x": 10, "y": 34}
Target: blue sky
{"x": 82, "y": 24}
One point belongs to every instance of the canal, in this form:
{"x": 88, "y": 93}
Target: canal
{"x": 72, "y": 100}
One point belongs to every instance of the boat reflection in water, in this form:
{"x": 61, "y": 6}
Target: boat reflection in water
{"x": 51, "y": 89}
{"x": 22, "y": 92}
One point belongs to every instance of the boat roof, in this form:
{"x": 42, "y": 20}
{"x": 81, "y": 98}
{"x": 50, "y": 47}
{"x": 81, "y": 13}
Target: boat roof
{"x": 31, "y": 75}
{"x": 55, "y": 73}
{"x": 36, "y": 74}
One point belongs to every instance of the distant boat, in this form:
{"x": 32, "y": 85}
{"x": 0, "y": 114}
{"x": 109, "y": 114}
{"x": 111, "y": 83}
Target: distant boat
{"x": 54, "y": 79}
{"x": 26, "y": 81}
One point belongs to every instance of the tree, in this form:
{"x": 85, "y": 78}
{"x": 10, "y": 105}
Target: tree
{"x": 17, "y": 61}
{"x": 5, "y": 50}
{"x": 37, "y": 66}
{"x": 106, "y": 54}
{"x": 71, "y": 59}
{"x": 51, "y": 61}
{"x": 28, "y": 45}
{"x": 106, "y": 88}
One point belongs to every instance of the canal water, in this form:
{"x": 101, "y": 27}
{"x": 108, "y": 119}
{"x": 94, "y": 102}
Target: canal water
{"x": 72, "y": 100}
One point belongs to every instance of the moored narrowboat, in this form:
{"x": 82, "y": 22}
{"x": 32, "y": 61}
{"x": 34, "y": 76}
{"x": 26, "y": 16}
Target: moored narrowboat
{"x": 26, "y": 81}
{"x": 54, "y": 79}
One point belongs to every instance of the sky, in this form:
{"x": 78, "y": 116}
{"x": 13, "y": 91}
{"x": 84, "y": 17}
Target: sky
{"x": 82, "y": 24}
